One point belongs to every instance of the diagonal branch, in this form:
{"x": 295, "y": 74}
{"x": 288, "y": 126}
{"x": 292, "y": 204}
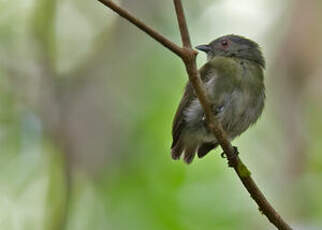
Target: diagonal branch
{"x": 216, "y": 128}
{"x": 138, "y": 23}
{"x": 188, "y": 55}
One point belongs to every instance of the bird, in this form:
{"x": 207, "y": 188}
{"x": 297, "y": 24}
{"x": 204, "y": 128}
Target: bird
{"x": 233, "y": 77}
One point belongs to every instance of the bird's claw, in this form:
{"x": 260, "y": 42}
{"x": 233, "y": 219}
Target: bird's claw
{"x": 236, "y": 152}
{"x": 224, "y": 155}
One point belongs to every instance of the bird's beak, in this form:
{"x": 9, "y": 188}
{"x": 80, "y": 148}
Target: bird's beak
{"x": 204, "y": 48}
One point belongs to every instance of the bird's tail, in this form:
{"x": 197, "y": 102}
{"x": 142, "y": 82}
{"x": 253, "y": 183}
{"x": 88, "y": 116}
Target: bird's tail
{"x": 188, "y": 149}
{"x": 206, "y": 148}
{"x": 176, "y": 150}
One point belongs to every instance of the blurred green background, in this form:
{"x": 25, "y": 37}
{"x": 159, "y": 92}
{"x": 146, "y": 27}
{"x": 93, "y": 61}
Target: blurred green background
{"x": 86, "y": 105}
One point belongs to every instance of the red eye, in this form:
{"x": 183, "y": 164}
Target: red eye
{"x": 224, "y": 43}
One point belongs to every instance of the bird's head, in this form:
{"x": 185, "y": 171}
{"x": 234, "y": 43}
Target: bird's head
{"x": 234, "y": 46}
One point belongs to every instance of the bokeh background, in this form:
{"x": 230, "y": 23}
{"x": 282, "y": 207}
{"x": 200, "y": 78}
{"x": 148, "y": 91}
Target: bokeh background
{"x": 86, "y": 105}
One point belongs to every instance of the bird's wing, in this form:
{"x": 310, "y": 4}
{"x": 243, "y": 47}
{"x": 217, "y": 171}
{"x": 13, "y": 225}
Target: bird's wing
{"x": 188, "y": 96}
{"x": 178, "y": 121}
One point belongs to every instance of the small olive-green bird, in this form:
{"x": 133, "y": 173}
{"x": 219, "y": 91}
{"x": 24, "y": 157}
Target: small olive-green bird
{"x": 233, "y": 78}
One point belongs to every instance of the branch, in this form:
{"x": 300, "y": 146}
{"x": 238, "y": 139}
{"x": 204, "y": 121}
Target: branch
{"x": 151, "y": 32}
{"x": 188, "y": 56}
{"x": 185, "y": 37}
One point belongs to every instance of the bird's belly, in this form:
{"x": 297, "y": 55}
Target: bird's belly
{"x": 196, "y": 127}
{"x": 238, "y": 114}
{"x": 242, "y": 113}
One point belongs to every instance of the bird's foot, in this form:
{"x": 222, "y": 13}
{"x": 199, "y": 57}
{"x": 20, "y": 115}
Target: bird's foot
{"x": 232, "y": 159}
{"x": 223, "y": 154}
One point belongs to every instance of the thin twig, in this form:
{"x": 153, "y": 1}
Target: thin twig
{"x": 182, "y": 24}
{"x": 188, "y": 55}
{"x": 147, "y": 29}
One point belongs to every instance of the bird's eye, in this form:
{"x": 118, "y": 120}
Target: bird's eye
{"x": 224, "y": 43}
